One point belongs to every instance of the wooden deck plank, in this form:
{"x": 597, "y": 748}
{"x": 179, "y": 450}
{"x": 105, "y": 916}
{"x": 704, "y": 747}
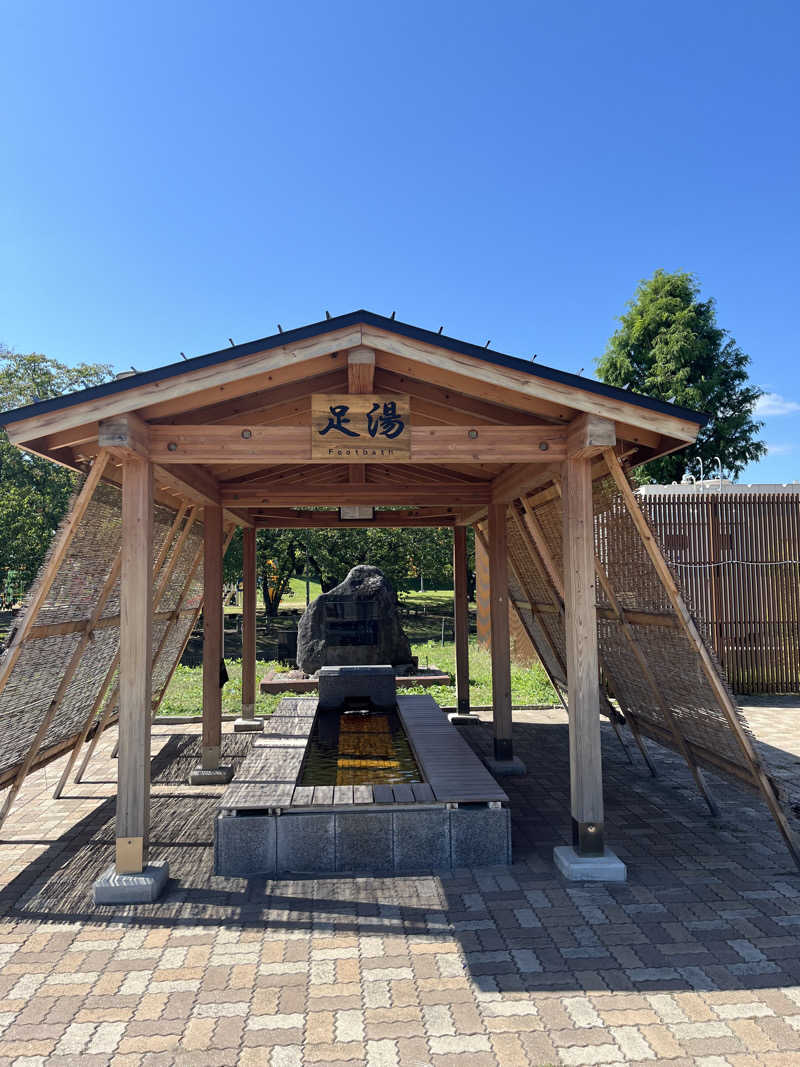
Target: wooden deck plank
{"x": 448, "y": 764}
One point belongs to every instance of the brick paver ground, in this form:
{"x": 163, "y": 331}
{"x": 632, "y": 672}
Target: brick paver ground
{"x": 694, "y": 961}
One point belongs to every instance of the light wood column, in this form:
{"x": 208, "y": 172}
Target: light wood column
{"x": 135, "y": 678}
{"x": 249, "y": 623}
{"x": 586, "y": 772}
{"x": 500, "y": 642}
{"x": 212, "y": 637}
{"x": 248, "y": 720}
{"x": 461, "y": 618}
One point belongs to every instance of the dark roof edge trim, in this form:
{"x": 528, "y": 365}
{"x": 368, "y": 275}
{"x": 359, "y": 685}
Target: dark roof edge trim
{"x": 354, "y": 318}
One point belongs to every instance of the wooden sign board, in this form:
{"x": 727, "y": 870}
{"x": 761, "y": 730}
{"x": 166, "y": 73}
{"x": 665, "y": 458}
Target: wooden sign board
{"x": 360, "y": 427}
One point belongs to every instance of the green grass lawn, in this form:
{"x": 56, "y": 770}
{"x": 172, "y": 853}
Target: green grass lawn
{"x": 529, "y": 685}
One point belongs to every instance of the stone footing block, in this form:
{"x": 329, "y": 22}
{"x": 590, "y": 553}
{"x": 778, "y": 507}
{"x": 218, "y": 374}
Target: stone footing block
{"x": 463, "y": 718}
{"x": 215, "y": 776}
{"x": 480, "y": 837}
{"x": 306, "y": 843}
{"x": 421, "y": 840}
{"x": 141, "y": 888}
{"x": 248, "y": 726}
{"x": 500, "y": 767}
{"x": 606, "y": 868}
{"x": 245, "y": 845}
{"x": 364, "y": 841}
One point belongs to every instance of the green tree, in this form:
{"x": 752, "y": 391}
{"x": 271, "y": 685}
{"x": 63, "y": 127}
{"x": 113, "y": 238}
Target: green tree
{"x": 669, "y": 346}
{"x": 400, "y": 553}
{"x": 34, "y": 492}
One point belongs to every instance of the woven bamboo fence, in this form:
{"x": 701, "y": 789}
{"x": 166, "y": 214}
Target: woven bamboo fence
{"x": 58, "y": 672}
{"x": 658, "y": 670}
{"x": 738, "y": 557}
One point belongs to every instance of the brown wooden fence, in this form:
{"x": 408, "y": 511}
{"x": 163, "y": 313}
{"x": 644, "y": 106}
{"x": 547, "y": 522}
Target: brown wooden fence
{"x": 735, "y": 553}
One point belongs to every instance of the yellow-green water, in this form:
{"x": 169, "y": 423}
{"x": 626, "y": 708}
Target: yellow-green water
{"x": 359, "y": 748}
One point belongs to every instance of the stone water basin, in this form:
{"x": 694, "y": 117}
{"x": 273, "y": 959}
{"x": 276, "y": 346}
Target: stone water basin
{"x": 362, "y": 780}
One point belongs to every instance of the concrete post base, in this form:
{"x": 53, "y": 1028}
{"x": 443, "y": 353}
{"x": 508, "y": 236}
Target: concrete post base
{"x": 141, "y": 888}
{"x": 500, "y": 767}
{"x": 248, "y": 726}
{"x": 606, "y": 868}
{"x": 214, "y": 776}
{"x": 462, "y": 718}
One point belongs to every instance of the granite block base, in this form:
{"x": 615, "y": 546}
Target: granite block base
{"x": 140, "y": 888}
{"x": 480, "y": 837}
{"x": 248, "y": 726}
{"x": 500, "y": 767}
{"x": 364, "y": 841}
{"x": 245, "y": 845}
{"x": 306, "y": 843}
{"x": 606, "y": 868}
{"x": 421, "y": 839}
{"x": 211, "y": 776}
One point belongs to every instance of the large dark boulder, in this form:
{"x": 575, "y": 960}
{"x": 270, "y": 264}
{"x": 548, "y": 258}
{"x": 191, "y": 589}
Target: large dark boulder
{"x": 356, "y": 623}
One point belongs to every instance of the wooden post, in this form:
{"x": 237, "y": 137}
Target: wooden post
{"x": 136, "y": 595}
{"x": 248, "y": 721}
{"x": 461, "y": 618}
{"x": 249, "y": 625}
{"x": 586, "y": 775}
{"x": 212, "y": 637}
{"x": 500, "y": 642}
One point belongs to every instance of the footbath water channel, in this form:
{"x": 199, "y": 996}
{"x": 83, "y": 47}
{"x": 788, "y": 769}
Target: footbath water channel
{"x": 357, "y": 746}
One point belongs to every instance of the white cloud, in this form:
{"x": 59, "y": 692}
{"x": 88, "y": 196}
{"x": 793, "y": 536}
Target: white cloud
{"x": 775, "y": 404}
{"x": 779, "y": 450}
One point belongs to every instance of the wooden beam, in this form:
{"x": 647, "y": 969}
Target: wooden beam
{"x": 492, "y": 381}
{"x": 721, "y": 694}
{"x": 212, "y": 638}
{"x": 294, "y": 518}
{"x": 229, "y": 378}
{"x": 444, "y": 401}
{"x": 342, "y": 493}
{"x": 262, "y": 402}
{"x": 461, "y": 617}
{"x": 588, "y": 435}
{"x": 173, "y": 446}
{"x": 249, "y": 581}
{"x": 521, "y": 478}
{"x": 124, "y": 436}
{"x": 500, "y": 637}
{"x": 135, "y": 679}
{"x": 360, "y": 369}
{"x": 586, "y": 774}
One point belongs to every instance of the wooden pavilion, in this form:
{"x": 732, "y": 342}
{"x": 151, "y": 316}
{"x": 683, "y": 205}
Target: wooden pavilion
{"x": 364, "y": 420}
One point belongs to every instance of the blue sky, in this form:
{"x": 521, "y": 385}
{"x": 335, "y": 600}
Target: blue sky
{"x": 176, "y": 174}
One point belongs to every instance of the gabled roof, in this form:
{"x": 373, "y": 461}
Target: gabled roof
{"x": 354, "y": 318}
